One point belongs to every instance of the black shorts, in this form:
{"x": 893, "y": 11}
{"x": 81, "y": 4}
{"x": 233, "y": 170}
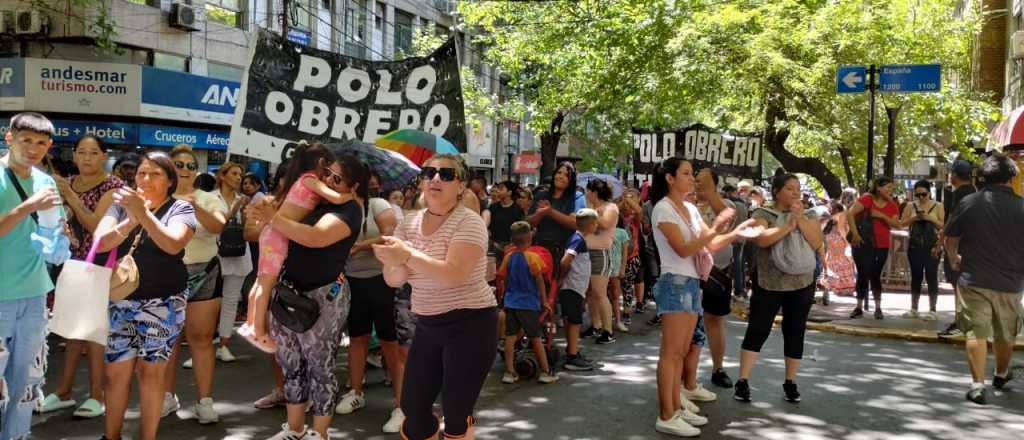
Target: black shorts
{"x": 373, "y": 307}
{"x": 572, "y": 306}
{"x": 205, "y": 282}
{"x": 526, "y": 320}
{"x": 716, "y": 297}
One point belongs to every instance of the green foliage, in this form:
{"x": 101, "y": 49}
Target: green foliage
{"x": 744, "y": 64}
{"x": 96, "y": 18}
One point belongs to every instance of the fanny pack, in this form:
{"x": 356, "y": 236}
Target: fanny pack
{"x": 292, "y": 308}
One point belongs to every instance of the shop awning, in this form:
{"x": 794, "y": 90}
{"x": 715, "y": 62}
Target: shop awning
{"x": 1009, "y": 132}
{"x": 526, "y": 163}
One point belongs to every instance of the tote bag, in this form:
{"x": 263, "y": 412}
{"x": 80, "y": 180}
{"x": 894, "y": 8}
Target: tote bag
{"x": 81, "y": 299}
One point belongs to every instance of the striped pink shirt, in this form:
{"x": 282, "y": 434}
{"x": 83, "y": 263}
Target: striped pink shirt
{"x": 429, "y": 297}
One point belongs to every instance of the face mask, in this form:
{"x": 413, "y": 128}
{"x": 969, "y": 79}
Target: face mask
{"x": 373, "y": 192}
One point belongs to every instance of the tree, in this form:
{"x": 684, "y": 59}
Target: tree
{"x": 755, "y": 65}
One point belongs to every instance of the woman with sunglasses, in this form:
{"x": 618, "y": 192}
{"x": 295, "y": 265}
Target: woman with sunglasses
{"x": 924, "y": 217}
{"x": 302, "y": 190}
{"x": 204, "y": 298}
{"x": 441, "y": 252}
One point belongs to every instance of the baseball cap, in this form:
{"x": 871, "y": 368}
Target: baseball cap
{"x": 519, "y": 228}
{"x": 586, "y": 212}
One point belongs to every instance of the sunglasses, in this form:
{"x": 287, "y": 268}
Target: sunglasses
{"x": 447, "y": 174}
{"x": 922, "y": 195}
{"x": 182, "y": 165}
{"x": 337, "y": 178}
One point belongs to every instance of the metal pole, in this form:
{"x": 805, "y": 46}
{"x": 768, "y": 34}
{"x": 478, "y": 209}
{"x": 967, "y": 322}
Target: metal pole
{"x": 871, "y": 125}
{"x": 285, "y": 4}
{"x": 890, "y": 149}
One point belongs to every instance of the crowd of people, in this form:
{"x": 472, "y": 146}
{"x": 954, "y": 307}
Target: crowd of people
{"x": 446, "y": 273}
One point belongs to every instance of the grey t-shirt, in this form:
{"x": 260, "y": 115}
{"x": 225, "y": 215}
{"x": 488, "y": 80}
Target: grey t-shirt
{"x": 578, "y": 278}
{"x": 723, "y": 257}
{"x": 365, "y": 264}
{"x": 769, "y": 277}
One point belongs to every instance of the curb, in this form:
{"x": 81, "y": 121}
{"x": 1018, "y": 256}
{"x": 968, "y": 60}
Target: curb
{"x": 740, "y": 311}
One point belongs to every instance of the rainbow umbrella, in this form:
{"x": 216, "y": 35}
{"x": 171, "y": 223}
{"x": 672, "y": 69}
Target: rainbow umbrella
{"x": 417, "y": 145}
{"x": 395, "y": 170}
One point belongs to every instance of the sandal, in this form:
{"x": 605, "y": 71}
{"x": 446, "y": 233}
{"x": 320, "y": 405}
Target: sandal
{"x": 53, "y": 403}
{"x": 92, "y": 408}
{"x": 264, "y": 343}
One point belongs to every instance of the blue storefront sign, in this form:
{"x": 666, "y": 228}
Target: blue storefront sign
{"x": 167, "y": 94}
{"x": 12, "y": 84}
{"x": 70, "y": 131}
{"x": 162, "y": 136}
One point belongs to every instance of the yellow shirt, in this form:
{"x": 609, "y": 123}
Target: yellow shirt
{"x": 1018, "y": 180}
{"x": 203, "y": 246}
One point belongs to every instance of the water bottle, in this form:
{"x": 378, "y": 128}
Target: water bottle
{"x": 50, "y": 218}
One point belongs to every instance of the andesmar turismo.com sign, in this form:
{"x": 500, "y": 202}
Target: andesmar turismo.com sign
{"x": 75, "y": 87}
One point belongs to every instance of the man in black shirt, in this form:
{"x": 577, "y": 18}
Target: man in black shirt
{"x": 985, "y": 242}
{"x": 962, "y": 181}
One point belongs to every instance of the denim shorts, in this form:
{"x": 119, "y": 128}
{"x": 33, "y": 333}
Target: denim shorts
{"x": 677, "y": 293}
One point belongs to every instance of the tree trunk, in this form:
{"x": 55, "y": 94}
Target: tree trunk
{"x": 775, "y": 141}
{"x": 844, "y": 153}
{"x": 549, "y": 145}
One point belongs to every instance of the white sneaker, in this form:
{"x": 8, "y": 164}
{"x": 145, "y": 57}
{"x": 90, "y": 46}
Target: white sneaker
{"x": 688, "y": 405}
{"x": 288, "y": 434}
{"x": 187, "y": 364}
{"x": 375, "y": 359}
{"x": 205, "y": 412}
{"x": 350, "y": 402}
{"x": 619, "y": 326}
{"x": 928, "y": 316}
{"x": 224, "y": 355}
{"x": 313, "y": 435}
{"x": 171, "y": 405}
{"x": 692, "y": 418}
{"x": 509, "y": 378}
{"x": 548, "y": 377}
{"x": 910, "y": 314}
{"x": 699, "y": 394}
{"x": 676, "y": 426}
{"x": 394, "y": 423}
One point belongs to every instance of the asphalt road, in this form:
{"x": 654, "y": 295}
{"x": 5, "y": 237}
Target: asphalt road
{"x": 853, "y": 388}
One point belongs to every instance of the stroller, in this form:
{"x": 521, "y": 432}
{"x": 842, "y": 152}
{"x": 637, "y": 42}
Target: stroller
{"x": 526, "y": 363}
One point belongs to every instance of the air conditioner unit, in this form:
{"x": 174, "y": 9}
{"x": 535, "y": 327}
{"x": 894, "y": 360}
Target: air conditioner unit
{"x": 29, "y": 21}
{"x": 1017, "y": 44}
{"x": 183, "y": 17}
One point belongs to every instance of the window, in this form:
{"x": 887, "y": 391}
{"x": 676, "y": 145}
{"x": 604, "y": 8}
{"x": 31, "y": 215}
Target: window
{"x": 226, "y": 12}
{"x": 355, "y": 29}
{"x": 403, "y": 33}
{"x": 301, "y": 14}
{"x": 223, "y": 71}
{"x": 169, "y": 62}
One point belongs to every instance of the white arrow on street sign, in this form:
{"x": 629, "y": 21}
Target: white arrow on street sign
{"x": 852, "y": 79}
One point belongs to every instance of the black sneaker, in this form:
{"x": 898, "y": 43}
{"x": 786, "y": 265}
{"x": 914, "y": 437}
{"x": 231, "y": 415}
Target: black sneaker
{"x": 655, "y": 321}
{"x": 792, "y": 394}
{"x": 878, "y": 313}
{"x": 627, "y": 319}
{"x": 721, "y": 379}
{"x": 639, "y": 308}
{"x": 856, "y": 313}
{"x": 978, "y": 395}
{"x": 1000, "y": 382}
{"x": 742, "y": 391}
{"x": 951, "y": 332}
{"x": 605, "y": 338}
{"x": 578, "y": 363}
{"x": 589, "y": 333}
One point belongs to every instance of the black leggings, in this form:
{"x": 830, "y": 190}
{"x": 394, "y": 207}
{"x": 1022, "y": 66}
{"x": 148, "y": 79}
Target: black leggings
{"x": 870, "y": 262}
{"x": 451, "y": 354}
{"x": 923, "y": 266}
{"x": 765, "y": 304}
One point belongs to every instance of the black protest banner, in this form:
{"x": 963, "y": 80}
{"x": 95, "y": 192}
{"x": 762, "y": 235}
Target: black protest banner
{"x": 292, "y": 92}
{"x": 728, "y": 152}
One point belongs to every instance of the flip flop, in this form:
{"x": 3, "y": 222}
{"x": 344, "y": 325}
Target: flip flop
{"x": 53, "y": 403}
{"x": 90, "y": 409}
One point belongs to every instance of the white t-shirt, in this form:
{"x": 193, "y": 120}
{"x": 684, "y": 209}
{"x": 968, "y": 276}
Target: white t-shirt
{"x": 238, "y": 266}
{"x": 671, "y": 262}
{"x": 203, "y": 246}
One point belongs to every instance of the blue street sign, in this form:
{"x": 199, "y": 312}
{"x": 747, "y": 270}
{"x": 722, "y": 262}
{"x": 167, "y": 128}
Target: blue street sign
{"x": 298, "y": 36}
{"x": 851, "y": 79}
{"x": 910, "y": 78}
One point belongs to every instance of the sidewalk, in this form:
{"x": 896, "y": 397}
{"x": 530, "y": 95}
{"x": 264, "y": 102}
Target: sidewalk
{"x": 835, "y": 318}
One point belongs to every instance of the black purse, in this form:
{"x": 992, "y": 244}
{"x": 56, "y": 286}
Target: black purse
{"x": 292, "y": 308}
{"x": 232, "y": 242}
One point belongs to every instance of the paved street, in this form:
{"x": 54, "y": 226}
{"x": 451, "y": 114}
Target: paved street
{"x": 853, "y": 388}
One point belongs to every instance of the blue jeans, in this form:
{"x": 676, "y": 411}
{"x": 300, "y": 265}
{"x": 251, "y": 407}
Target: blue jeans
{"x": 22, "y": 362}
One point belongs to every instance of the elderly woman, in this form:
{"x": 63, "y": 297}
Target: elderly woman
{"x": 440, "y": 251}
{"x": 89, "y": 195}
{"x": 145, "y": 326}
{"x": 318, "y": 250}
{"x": 204, "y": 297}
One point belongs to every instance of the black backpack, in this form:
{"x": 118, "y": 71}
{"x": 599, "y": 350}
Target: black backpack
{"x": 922, "y": 233}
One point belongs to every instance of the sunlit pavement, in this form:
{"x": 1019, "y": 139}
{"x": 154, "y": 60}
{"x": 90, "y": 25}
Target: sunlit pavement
{"x": 853, "y": 388}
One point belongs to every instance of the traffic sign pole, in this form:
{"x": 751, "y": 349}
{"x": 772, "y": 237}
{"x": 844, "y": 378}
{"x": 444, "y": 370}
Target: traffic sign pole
{"x": 872, "y": 86}
{"x": 890, "y": 149}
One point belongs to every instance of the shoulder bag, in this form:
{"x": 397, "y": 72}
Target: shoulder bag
{"x": 231, "y": 242}
{"x": 792, "y": 254}
{"x": 703, "y": 261}
{"x": 292, "y": 308}
{"x": 124, "y": 280}
{"x": 865, "y": 227}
